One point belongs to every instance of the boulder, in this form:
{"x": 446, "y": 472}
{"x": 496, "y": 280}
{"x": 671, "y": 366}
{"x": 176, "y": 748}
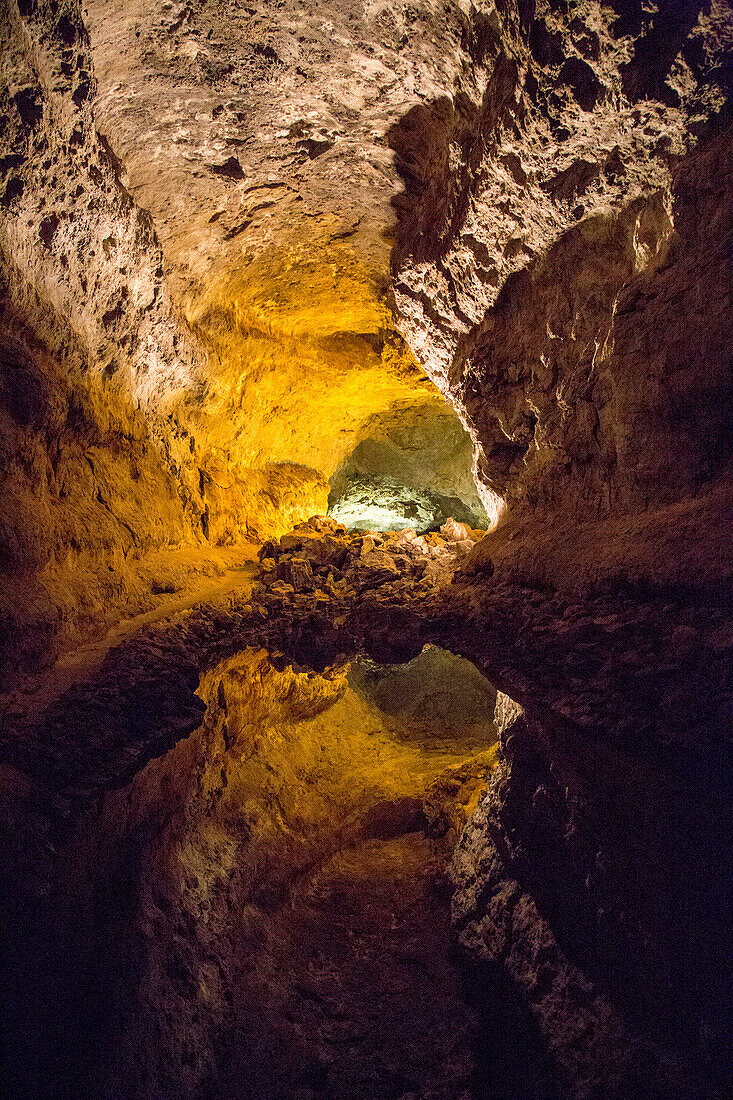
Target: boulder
{"x": 452, "y": 529}
{"x": 301, "y": 575}
{"x": 322, "y": 525}
{"x": 292, "y": 542}
{"x": 375, "y": 568}
{"x": 329, "y": 550}
{"x": 280, "y": 588}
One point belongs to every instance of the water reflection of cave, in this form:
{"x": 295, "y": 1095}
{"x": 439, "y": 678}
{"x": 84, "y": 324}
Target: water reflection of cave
{"x": 412, "y": 468}
{"x": 286, "y": 909}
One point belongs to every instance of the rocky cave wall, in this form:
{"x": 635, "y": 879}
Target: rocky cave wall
{"x": 553, "y": 171}
{"x": 258, "y": 139}
{"x": 590, "y": 875}
{"x": 90, "y": 338}
{"x": 415, "y": 464}
{"x": 197, "y": 393}
{"x": 562, "y": 223}
{"x": 558, "y": 271}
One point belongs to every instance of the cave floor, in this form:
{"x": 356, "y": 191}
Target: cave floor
{"x": 80, "y": 663}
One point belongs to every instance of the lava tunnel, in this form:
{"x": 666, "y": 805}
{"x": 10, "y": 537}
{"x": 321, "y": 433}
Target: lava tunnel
{"x": 411, "y": 469}
{"x": 365, "y": 565}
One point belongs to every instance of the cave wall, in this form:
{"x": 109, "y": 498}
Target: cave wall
{"x": 590, "y": 875}
{"x": 95, "y": 468}
{"x": 144, "y": 410}
{"x": 257, "y": 139}
{"x": 550, "y": 254}
{"x": 559, "y": 271}
{"x": 423, "y": 448}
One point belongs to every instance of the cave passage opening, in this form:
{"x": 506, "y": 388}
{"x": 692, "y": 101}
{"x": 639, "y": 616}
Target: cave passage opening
{"x": 412, "y": 468}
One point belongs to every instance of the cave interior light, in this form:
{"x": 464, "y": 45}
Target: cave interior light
{"x": 373, "y": 517}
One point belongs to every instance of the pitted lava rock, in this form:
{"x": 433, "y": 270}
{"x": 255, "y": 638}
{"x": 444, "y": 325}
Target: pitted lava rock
{"x": 253, "y": 257}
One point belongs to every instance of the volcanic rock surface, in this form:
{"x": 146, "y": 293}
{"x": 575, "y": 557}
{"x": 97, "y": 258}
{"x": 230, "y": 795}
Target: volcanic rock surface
{"x": 249, "y": 253}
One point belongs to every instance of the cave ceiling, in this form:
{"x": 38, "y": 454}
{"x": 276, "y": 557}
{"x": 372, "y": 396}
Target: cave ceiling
{"x": 258, "y": 139}
{"x": 264, "y": 129}
{"x": 520, "y": 159}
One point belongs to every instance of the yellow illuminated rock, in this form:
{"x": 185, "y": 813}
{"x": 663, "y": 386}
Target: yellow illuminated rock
{"x": 396, "y": 263}
{"x": 304, "y": 361}
{"x": 289, "y": 772}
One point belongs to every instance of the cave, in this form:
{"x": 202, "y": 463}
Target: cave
{"x": 413, "y": 468}
{"x": 365, "y": 498}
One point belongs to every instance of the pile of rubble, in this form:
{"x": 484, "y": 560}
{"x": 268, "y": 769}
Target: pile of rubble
{"x": 320, "y": 561}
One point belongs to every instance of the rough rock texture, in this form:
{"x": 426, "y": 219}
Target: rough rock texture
{"x": 124, "y": 431}
{"x": 379, "y": 503}
{"x": 320, "y": 562}
{"x": 423, "y": 447}
{"x": 595, "y": 820}
{"x": 198, "y": 904}
{"x": 578, "y": 953}
{"x": 416, "y": 468}
{"x": 89, "y": 339}
{"x": 558, "y": 223}
{"x": 258, "y": 140}
{"x": 558, "y": 270}
{"x": 249, "y": 130}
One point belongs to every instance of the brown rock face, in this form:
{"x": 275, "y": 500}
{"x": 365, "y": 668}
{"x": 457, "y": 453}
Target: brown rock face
{"x": 248, "y": 253}
{"x": 125, "y": 431}
{"x": 550, "y": 252}
{"x": 91, "y": 343}
{"x": 556, "y": 239}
